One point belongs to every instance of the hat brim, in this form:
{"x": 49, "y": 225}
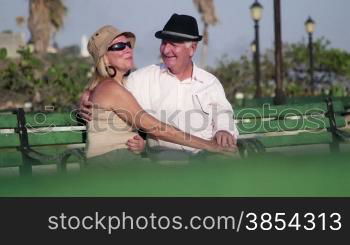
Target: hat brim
{"x": 129, "y": 35}
{"x": 174, "y": 38}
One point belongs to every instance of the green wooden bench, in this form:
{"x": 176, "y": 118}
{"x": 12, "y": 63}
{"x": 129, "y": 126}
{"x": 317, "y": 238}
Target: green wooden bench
{"x": 29, "y": 139}
{"x": 291, "y": 125}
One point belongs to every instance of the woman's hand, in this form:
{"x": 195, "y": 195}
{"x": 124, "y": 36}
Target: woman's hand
{"x": 85, "y": 106}
{"x": 136, "y": 144}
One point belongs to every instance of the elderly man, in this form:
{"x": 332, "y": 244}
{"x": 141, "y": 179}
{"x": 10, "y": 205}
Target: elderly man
{"x": 179, "y": 93}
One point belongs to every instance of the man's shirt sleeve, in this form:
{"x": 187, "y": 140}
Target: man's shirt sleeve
{"x": 223, "y": 115}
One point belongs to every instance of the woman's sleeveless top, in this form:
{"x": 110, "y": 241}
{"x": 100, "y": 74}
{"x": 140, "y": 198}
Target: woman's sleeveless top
{"x": 106, "y": 132}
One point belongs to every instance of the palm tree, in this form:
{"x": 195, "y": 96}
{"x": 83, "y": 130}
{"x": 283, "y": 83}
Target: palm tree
{"x": 45, "y": 19}
{"x": 207, "y": 10}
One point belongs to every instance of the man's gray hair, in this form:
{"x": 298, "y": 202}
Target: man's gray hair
{"x": 188, "y": 44}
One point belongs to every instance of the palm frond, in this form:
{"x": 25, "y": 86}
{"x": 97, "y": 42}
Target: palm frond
{"x": 57, "y": 12}
{"x": 207, "y": 10}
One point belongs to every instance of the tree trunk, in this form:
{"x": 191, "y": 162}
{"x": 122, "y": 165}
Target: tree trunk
{"x": 39, "y": 25}
{"x": 280, "y": 97}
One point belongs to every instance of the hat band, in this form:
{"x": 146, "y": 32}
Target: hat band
{"x": 179, "y": 34}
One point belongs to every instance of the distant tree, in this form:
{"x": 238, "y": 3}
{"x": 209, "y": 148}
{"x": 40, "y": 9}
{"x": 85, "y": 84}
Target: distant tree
{"x": 207, "y": 10}
{"x": 43, "y": 80}
{"x": 3, "y": 53}
{"x": 332, "y": 70}
{"x": 235, "y": 76}
{"x": 7, "y": 31}
{"x": 20, "y": 21}
{"x": 327, "y": 60}
{"x": 331, "y": 65}
{"x": 45, "y": 18}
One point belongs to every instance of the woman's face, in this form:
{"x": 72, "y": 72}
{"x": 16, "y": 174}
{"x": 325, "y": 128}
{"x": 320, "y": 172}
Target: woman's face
{"x": 120, "y": 55}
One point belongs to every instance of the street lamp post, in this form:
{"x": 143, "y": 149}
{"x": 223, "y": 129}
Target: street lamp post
{"x": 256, "y": 14}
{"x": 310, "y": 28}
{"x": 253, "y": 48}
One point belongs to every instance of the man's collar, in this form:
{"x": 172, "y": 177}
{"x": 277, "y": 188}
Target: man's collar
{"x": 195, "y": 72}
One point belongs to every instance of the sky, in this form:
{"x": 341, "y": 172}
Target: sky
{"x": 231, "y": 37}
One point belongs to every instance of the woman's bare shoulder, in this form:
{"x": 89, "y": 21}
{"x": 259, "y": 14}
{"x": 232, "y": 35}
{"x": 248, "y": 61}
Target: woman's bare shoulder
{"x": 106, "y": 92}
{"x": 107, "y": 84}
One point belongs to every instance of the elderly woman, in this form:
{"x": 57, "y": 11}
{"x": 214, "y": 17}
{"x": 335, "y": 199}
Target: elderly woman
{"x": 116, "y": 113}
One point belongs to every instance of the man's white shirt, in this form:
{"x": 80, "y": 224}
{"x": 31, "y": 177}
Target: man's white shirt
{"x": 197, "y": 105}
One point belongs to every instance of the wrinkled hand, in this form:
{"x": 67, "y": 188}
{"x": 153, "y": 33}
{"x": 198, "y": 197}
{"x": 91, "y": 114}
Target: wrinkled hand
{"x": 85, "y": 106}
{"x": 225, "y": 139}
{"x": 136, "y": 144}
{"x": 227, "y": 150}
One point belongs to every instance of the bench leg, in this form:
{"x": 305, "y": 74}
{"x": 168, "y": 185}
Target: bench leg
{"x": 62, "y": 167}
{"x": 25, "y": 169}
{"x": 78, "y": 153}
{"x": 248, "y": 147}
{"x": 334, "y": 146}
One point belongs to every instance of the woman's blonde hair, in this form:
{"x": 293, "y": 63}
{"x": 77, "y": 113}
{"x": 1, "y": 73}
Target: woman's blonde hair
{"x": 100, "y": 73}
{"x": 103, "y": 71}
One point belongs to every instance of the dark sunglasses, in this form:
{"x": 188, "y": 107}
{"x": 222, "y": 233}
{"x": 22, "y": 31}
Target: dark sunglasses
{"x": 119, "y": 46}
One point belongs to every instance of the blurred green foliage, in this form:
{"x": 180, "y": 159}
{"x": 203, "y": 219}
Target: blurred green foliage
{"x": 331, "y": 71}
{"x": 59, "y": 79}
{"x": 3, "y": 53}
{"x": 22, "y": 75}
{"x": 326, "y": 58}
{"x": 51, "y": 80}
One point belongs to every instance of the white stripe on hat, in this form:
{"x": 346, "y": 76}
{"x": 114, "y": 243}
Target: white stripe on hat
{"x": 179, "y": 34}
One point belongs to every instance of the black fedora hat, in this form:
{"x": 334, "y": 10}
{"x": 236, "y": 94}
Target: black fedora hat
{"x": 180, "y": 28}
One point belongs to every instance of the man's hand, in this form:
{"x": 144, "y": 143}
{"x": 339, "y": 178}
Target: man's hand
{"x": 225, "y": 150}
{"x": 85, "y": 106}
{"x": 225, "y": 139}
{"x": 136, "y": 144}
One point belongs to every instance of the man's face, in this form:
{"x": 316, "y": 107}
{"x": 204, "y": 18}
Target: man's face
{"x": 177, "y": 55}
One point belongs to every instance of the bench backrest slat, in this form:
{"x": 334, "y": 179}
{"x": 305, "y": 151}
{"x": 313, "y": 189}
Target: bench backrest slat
{"x": 34, "y": 120}
{"x": 49, "y": 138}
{"x": 8, "y": 121}
{"x": 268, "y": 111}
{"x": 51, "y": 120}
{"x": 9, "y": 140}
{"x": 295, "y": 100}
{"x": 56, "y": 138}
{"x": 310, "y": 123}
{"x": 287, "y": 118}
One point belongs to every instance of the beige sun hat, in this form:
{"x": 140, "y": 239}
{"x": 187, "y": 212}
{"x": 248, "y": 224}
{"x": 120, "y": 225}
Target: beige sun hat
{"x": 102, "y": 38}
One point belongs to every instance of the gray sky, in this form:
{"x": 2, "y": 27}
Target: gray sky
{"x": 231, "y": 36}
